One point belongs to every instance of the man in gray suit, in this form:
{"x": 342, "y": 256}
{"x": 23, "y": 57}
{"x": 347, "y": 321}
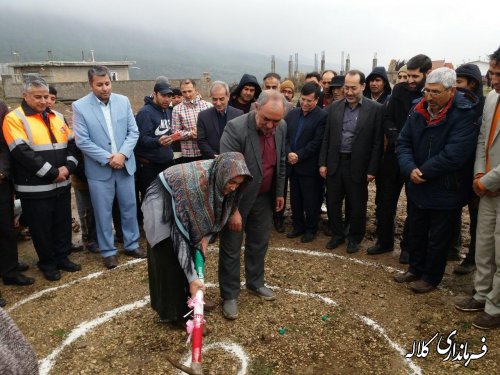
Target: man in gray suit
{"x": 487, "y": 186}
{"x": 106, "y": 133}
{"x": 349, "y": 159}
{"x": 260, "y": 136}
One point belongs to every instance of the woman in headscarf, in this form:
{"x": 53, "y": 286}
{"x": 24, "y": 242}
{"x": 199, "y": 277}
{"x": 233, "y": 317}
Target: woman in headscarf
{"x": 184, "y": 206}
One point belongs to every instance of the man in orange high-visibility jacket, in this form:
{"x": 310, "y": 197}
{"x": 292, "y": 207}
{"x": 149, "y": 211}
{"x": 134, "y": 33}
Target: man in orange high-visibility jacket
{"x": 42, "y": 150}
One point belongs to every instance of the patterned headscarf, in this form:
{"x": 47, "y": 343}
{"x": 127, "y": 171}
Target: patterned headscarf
{"x": 198, "y": 203}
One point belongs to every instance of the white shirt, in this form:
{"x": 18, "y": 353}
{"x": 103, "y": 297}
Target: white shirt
{"x": 106, "y": 111}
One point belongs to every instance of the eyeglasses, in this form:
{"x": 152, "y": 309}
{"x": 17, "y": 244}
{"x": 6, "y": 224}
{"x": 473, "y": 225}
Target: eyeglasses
{"x": 433, "y": 93}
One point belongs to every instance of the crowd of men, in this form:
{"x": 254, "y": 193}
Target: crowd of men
{"x": 433, "y": 132}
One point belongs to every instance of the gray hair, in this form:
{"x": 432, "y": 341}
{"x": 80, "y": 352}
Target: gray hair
{"x": 219, "y": 83}
{"x": 271, "y": 95}
{"x": 445, "y": 76}
{"x": 34, "y": 81}
{"x": 100, "y": 71}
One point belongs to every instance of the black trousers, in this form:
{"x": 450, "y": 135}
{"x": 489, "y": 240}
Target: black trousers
{"x": 456, "y": 244}
{"x": 389, "y": 183}
{"x": 306, "y": 197}
{"x": 340, "y": 186}
{"x": 49, "y": 220}
{"x": 168, "y": 285}
{"x": 429, "y": 238}
{"x": 280, "y": 215}
{"x": 8, "y": 237}
{"x": 257, "y": 222}
{"x": 146, "y": 173}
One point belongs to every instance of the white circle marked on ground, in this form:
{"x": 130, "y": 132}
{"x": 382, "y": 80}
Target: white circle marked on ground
{"x": 53, "y": 289}
{"x": 230, "y": 347}
{"x": 48, "y": 362}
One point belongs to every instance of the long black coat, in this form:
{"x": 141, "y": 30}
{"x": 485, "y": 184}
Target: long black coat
{"x": 367, "y": 145}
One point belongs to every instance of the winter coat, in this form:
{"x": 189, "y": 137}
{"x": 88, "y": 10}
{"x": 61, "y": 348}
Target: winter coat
{"x": 443, "y": 150}
{"x": 153, "y": 122}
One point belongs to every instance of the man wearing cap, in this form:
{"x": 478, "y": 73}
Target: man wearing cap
{"x": 337, "y": 88}
{"x": 154, "y": 121}
{"x": 326, "y": 79}
{"x": 378, "y": 87}
{"x": 469, "y": 81}
{"x": 486, "y": 299}
{"x": 287, "y": 88}
{"x": 247, "y": 91}
{"x": 211, "y": 122}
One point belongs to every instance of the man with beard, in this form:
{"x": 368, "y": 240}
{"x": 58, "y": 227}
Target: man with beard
{"x": 106, "y": 133}
{"x": 154, "y": 121}
{"x": 246, "y": 93}
{"x": 390, "y": 181}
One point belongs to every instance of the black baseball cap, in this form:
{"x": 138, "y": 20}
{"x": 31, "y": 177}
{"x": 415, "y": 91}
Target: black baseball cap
{"x": 163, "y": 88}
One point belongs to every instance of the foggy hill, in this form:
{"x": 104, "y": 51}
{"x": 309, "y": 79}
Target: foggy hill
{"x": 155, "y": 53}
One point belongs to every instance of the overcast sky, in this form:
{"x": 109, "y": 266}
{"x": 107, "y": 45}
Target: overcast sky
{"x": 442, "y": 29}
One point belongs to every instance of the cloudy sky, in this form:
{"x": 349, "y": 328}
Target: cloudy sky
{"x": 442, "y": 29}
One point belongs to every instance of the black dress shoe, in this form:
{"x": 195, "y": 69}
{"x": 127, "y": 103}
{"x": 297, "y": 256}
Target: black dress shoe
{"x": 137, "y": 253}
{"x": 69, "y": 266}
{"x": 308, "y": 237}
{"x": 110, "y": 262}
{"x": 22, "y": 267}
{"x": 52, "y": 275}
{"x": 353, "y": 247}
{"x": 335, "y": 242}
{"x": 378, "y": 249}
{"x": 279, "y": 225}
{"x": 294, "y": 233}
{"x": 2, "y": 302}
{"x": 404, "y": 257}
{"x": 18, "y": 280}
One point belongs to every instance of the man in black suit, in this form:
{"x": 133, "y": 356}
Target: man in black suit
{"x": 305, "y": 128}
{"x": 350, "y": 158}
{"x": 211, "y": 122}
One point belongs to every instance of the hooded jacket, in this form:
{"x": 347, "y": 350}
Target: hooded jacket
{"x": 379, "y": 71}
{"x": 443, "y": 150}
{"x": 246, "y": 80}
{"x": 153, "y": 122}
{"x": 472, "y": 71}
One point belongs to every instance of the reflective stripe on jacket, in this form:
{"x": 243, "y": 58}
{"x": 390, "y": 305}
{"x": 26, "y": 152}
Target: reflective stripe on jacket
{"x": 38, "y": 150}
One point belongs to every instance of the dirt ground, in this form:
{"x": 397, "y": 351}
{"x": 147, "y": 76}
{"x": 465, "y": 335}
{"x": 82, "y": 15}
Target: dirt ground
{"x": 335, "y": 313}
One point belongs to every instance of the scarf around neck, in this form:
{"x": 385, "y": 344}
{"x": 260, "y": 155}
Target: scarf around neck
{"x": 198, "y": 204}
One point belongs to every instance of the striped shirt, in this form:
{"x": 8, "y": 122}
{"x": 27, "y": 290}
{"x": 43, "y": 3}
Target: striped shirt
{"x": 184, "y": 118}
